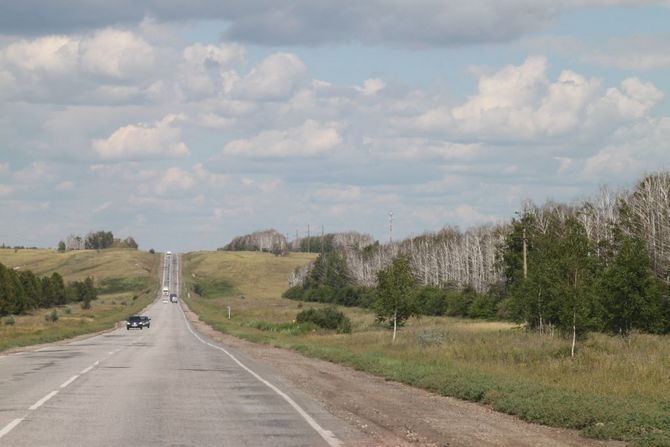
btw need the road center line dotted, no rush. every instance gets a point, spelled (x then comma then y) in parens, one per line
(41, 402)
(9, 427)
(70, 380)
(327, 435)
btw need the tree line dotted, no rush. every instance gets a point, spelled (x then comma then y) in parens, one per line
(273, 241)
(22, 291)
(602, 264)
(98, 240)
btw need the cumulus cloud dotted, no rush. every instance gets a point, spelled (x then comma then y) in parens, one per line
(116, 53)
(372, 87)
(206, 68)
(310, 139)
(632, 150)
(274, 78)
(141, 141)
(520, 102)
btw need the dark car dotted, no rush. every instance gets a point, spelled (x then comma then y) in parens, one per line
(134, 322)
(173, 297)
(146, 321)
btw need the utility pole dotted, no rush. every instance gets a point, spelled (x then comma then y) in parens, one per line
(297, 241)
(321, 238)
(309, 242)
(390, 226)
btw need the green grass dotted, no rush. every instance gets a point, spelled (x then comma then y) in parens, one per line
(615, 388)
(128, 280)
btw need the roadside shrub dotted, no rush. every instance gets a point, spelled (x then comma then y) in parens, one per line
(326, 318)
(67, 310)
(52, 316)
(85, 304)
(10, 321)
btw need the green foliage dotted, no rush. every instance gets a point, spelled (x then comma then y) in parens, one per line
(61, 247)
(10, 321)
(121, 285)
(207, 288)
(99, 240)
(330, 270)
(395, 292)
(630, 292)
(573, 283)
(325, 318)
(52, 316)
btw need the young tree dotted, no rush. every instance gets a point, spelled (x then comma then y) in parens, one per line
(395, 293)
(61, 247)
(629, 292)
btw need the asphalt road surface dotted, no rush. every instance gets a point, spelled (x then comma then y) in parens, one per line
(161, 386)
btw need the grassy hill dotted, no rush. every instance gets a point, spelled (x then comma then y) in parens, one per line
(127, 281)
(614, 388)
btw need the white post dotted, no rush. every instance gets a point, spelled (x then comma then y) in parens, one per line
(229, 312)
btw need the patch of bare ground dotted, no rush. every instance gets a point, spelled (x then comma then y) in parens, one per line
(393, 414)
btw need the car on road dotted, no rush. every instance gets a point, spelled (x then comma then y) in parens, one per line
(146, 321)
(173, 297)
(134, 322)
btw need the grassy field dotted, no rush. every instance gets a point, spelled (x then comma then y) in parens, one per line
(615, 388)
(128, 281)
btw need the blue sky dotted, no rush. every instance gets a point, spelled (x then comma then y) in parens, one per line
(185, 125)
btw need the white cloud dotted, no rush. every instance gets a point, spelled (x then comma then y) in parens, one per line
(206, 67)
(115, 53)
(520, 102)
(633, 150)
(274, 78)
(45, 55)
(372, 87)
(174, 179)
(341, 194)
(310, 139)
(138, 141)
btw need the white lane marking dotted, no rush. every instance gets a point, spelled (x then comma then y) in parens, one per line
(70, 380)
(85, 370)
(327, 435)
(41, 402)
(9, 427)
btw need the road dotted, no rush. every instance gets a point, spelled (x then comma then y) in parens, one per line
(165, 386)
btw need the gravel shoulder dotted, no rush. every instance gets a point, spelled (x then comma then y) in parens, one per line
(394, 414)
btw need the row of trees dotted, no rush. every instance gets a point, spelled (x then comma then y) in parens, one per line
(603, 264)
(274, 242)
(98, 240)
(22, 291)
(270, 241)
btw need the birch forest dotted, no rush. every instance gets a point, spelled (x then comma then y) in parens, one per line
(602, 263)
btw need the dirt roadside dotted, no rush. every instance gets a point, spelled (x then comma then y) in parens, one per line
(393, 414)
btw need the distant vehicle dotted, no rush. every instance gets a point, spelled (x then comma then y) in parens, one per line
(134, 322)
(173, 297)
(168, 253)
(166, 291)
(146, 321)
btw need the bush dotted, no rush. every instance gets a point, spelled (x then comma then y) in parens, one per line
(86, 304)
(10, 321)
(67, 310)
(52, 316)
(326, 318)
